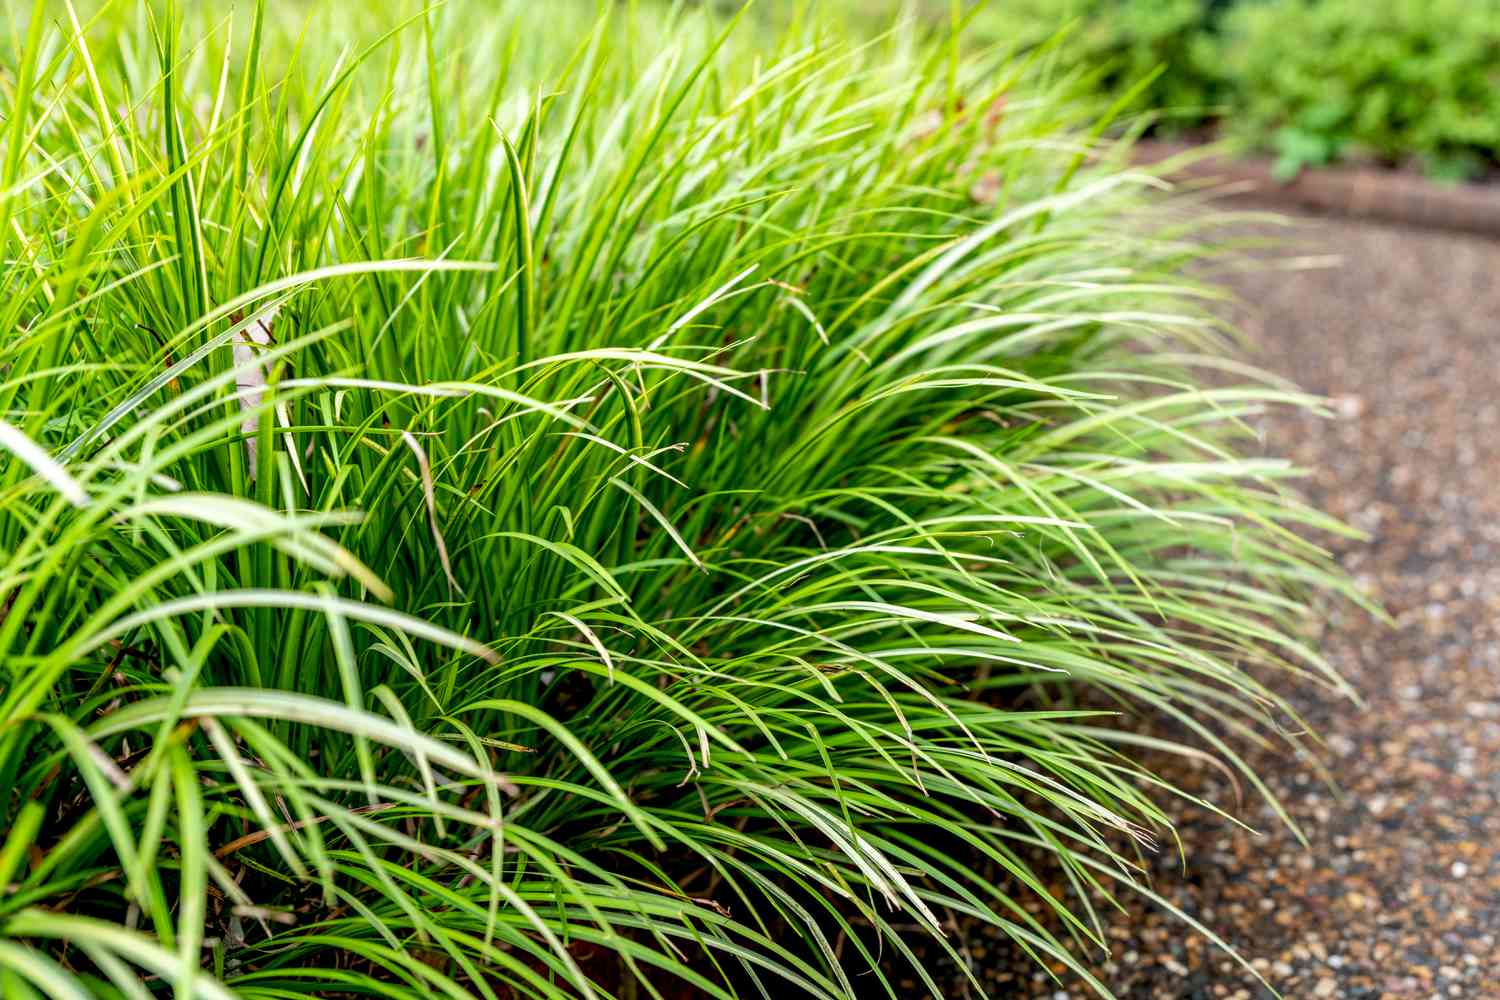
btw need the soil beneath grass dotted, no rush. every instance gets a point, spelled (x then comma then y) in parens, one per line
(1398, 894)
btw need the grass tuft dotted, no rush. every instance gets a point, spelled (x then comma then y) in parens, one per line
(516, 500)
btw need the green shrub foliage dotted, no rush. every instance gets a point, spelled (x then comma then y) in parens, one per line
(1118, 45)
(1402, 82)
(1398, 80)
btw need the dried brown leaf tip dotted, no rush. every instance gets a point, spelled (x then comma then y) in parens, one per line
(930, 122)
(987, 185)
(250, 375)
(986, 190)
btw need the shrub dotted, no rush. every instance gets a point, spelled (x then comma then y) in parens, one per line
(1162, 48)
(1399, 80)
(1315, 81)
(519, 489)
(1120, 44)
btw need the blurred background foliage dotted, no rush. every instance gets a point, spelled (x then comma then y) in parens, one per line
(1412, 84)
(1409, 83)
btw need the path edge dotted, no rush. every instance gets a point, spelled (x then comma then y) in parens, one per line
(1352, 192)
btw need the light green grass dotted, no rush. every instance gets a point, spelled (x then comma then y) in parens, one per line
(700, 496)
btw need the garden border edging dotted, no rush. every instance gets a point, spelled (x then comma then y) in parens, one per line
(1356, 192)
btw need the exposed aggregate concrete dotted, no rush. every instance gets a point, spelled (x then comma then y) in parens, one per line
(1398, 894)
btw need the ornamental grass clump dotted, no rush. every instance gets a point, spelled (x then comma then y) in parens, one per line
(544, 501)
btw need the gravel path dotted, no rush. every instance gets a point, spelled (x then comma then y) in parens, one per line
(1399, 894)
